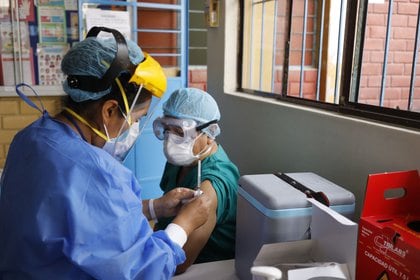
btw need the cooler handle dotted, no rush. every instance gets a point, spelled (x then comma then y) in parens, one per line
(319, 196)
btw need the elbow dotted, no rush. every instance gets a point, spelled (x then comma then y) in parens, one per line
(182, 268)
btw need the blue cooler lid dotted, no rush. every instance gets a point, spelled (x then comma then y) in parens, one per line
(336, 194)
(271, 192)
(276, 198)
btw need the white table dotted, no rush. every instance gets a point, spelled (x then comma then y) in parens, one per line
(220, 270)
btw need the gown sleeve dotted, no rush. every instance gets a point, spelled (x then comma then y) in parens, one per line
(106, 233)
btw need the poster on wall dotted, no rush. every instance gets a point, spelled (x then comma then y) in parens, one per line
(52, 24)
(7, 68)
(7, 39)
(49, 62)
(119, 20)
(8, 59)
(26, 10)
(59, 3)
(71, 5)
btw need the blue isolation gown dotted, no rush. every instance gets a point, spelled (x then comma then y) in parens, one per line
(68, 210)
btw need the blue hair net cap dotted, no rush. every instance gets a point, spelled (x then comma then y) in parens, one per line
(196, 104)
(92, 57)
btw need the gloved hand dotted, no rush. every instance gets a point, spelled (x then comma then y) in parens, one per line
(169, 204)
(193, 214)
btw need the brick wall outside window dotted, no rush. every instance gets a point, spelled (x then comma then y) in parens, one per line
(400, 55)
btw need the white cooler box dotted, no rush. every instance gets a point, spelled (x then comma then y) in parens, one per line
(273, 208)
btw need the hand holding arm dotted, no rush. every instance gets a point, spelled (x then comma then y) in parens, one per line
(193, 214)
(169, 204)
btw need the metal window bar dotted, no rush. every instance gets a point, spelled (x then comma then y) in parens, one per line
(273, 58)
(359, 42)
(302, 59)
(17, 45)
(321, 45)
(288, 27)
(288, 22)
(385, 65)
(148, 30)
(413, 67)
(184, 42)
(339, 55)
(261, 47)
(260, 80)
(303, 50)
(250, 46)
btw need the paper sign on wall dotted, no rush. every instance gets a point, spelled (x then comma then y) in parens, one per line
(119, 20)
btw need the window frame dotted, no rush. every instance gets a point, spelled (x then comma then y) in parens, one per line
(349, 81)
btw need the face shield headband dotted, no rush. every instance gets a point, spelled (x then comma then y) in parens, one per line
(120, 63)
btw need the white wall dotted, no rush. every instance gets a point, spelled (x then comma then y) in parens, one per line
(263, 136)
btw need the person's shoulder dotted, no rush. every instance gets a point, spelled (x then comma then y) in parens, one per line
(220, 155)
(219, 162)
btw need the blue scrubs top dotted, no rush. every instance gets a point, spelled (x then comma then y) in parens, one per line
(68, 210)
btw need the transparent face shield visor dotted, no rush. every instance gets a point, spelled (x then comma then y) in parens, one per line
(135, 122)
(150, 76)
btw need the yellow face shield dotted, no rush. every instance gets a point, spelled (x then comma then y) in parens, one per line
(150, 74)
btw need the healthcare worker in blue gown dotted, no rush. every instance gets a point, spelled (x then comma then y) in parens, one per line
(68, 208)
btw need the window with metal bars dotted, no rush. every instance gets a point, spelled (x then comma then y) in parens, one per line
(355, 57)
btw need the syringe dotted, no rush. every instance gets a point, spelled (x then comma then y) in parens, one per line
(198, 187)
(198, 190)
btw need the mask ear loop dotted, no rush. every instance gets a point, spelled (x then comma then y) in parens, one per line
(135, 98)
(126, 119)
(129, 111)
(124, 97)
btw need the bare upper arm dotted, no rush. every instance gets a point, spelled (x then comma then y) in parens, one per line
(200, 236)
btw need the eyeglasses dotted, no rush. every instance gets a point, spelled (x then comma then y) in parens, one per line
(202, 126)
(186, 128)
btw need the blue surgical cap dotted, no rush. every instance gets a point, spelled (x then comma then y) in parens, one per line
(193, 103)
(92, 57)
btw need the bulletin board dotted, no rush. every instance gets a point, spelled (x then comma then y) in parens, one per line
(45, 30)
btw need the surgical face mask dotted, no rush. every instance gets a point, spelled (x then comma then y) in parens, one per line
(119, 146)
(179, 150)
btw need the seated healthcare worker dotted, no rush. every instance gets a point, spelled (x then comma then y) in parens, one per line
(194, 158)
(69, 209)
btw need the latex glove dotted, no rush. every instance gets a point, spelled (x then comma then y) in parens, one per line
(169, 204)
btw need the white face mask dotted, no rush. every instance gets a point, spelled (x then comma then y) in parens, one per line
(119, 146)
(179, 151)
